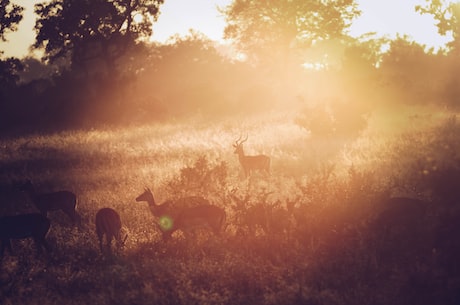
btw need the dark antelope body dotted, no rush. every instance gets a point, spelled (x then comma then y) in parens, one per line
(24, 226)
(108, 223)
(185, 219)
(251, 163)
(65, 201)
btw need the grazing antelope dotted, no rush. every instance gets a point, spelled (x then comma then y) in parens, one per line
(170, 219)
(251, 163)
(108, 223)
(61, 200)
(24, 226)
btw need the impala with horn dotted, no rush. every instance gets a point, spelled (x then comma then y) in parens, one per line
(170, 219)
(251, 163)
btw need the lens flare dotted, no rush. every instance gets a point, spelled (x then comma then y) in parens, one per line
(166, 223)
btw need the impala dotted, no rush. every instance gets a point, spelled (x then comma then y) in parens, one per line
(24, 226)
(61, 200)
(170, 219)
(251, 163)
(108, 223)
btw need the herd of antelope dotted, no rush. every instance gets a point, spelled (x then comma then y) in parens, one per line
(168, 219)
(108, 222)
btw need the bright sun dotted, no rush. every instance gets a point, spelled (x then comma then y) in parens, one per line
(138, 18)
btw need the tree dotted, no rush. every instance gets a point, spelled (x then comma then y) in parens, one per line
(93, 29)
(447, 15)
(264, 29)
(10, 16)
(9, 69)
(186, 75)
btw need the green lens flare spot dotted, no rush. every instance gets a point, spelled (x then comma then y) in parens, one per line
(166, 223)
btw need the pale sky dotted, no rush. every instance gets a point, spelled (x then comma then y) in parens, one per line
(387, 17)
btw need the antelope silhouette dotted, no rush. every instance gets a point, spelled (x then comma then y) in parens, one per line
(251, 163)
(170, 219)
(108, 223)
(24, 226)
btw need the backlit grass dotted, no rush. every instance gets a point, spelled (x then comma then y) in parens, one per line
(322, 253)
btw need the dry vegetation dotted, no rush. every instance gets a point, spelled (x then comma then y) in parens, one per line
(315, 238)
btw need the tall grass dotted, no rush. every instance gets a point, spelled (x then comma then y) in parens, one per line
(324, 254)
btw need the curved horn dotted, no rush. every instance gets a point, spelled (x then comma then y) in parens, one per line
(244, 139)
(239, 141)
(236, 142)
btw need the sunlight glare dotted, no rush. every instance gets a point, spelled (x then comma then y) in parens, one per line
(317, 66)
(138, 18)
(166, 223)
(179, 16)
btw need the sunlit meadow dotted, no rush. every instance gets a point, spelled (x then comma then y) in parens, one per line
(318, 253)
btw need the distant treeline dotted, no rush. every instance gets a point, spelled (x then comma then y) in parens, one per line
(192, 76)
(97, 67)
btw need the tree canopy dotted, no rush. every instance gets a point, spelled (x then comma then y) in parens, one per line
(262, 28)
(447, 15)
(77, 28)
(300, 55)
(10, 16)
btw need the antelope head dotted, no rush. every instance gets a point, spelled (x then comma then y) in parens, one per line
(238, 145)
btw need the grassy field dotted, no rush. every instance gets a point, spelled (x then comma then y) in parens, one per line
(326, 250)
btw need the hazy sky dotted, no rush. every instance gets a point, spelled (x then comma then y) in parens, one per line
(387, 17)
